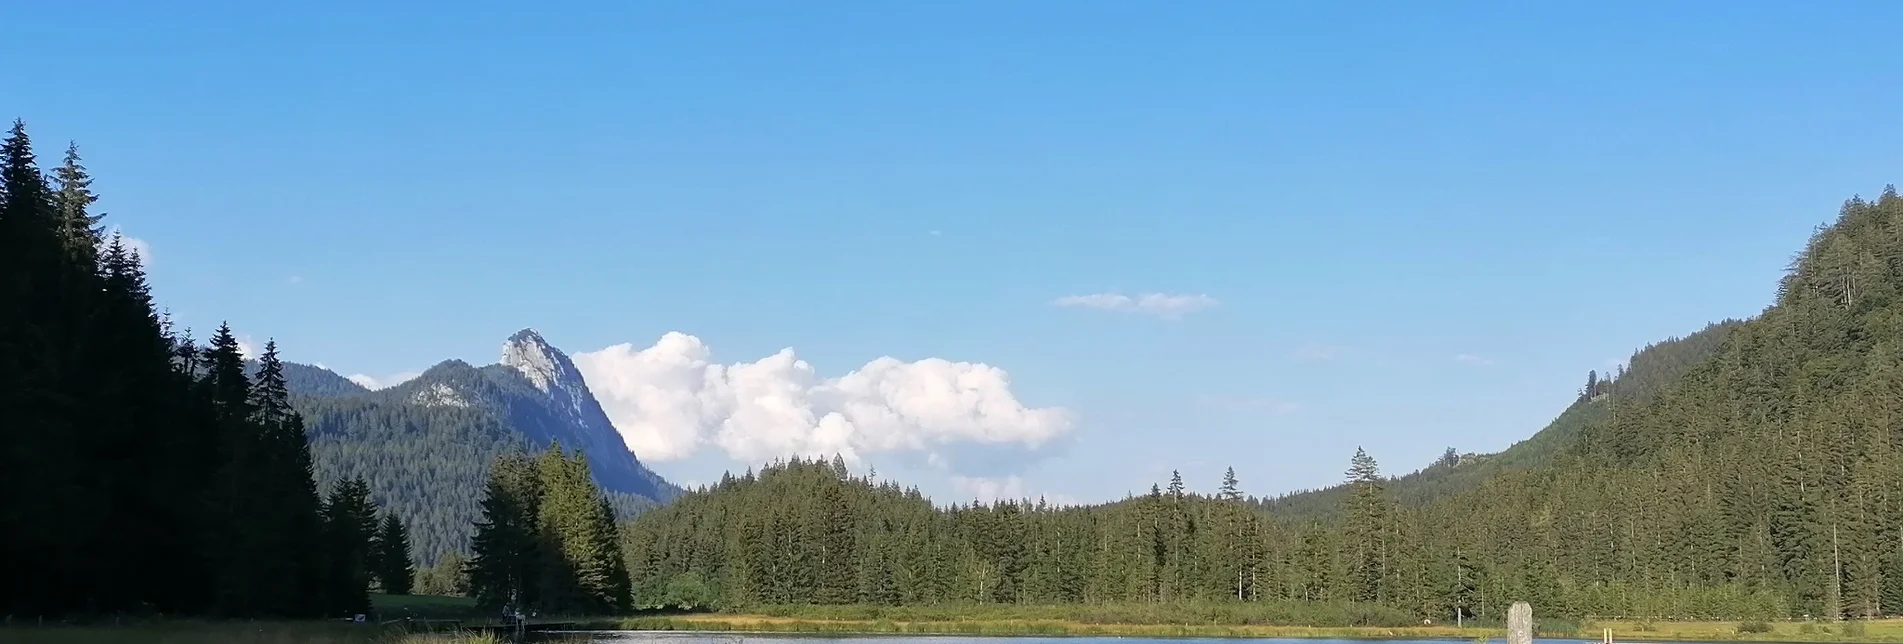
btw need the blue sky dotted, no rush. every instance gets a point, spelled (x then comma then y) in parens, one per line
(1366, 191)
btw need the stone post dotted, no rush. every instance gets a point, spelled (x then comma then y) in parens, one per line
(1520, 624)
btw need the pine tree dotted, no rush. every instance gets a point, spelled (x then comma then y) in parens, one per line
(1366, 526)
(79, 229)
(505, 554)
(394, 570)
(583, 570)
(350, 524)
(37, 378)
(285, 506)
(137, 473)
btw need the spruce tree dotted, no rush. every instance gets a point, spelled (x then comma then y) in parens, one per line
(79, 229)
(37, 379)
(350, 523)
(505, 553)
(1366, 526)
(394, 570)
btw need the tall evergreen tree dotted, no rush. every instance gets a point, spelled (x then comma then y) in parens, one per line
(505, 554)
(1367, 527)
(394, 570)
(79, 228)
(350, 525)
(138, 472)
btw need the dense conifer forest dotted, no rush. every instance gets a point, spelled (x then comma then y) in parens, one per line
(427, 461)
(1753, 469)
(1750, 470)
(1643, 374)
(142, 472)
(547, 539)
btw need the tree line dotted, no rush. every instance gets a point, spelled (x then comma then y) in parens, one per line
(547, 540)
(1754, 472)
(1757, 473)
(142, 472)
(425, 462)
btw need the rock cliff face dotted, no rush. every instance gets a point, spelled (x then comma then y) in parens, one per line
(425, 445)
(567, 411)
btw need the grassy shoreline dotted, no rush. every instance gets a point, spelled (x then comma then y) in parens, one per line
(1883, 631)
(1875, 631)
(723, 623)
(992, 620)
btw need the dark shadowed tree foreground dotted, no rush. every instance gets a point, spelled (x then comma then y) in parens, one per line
(139, 471)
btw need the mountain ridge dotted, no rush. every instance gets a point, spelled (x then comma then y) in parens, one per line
(425, 444)
(1650, 367)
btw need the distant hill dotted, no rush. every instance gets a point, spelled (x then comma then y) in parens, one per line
(1648, 369)
(1750, 471)
(425, 445)
(309, 380)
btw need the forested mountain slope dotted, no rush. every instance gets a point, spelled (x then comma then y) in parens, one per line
(1748, 471)
(425, 446)
(311, 380)
(1649, 369)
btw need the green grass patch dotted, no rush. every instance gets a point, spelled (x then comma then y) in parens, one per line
(1323, 614)
(389, 607)
(1010, 620)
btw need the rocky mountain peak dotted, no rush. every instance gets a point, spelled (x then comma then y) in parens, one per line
(545, 366)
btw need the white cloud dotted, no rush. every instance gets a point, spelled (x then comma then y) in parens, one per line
(987, 489)
(1163, 305)
(1061, 500)
(1001, 488)
(1471, 359)
(372, 382)
(139, 247)
(246, 347)
(672, 400)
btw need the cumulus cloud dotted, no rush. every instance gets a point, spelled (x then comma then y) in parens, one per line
(1163, 305)
(672, 400)
(1001, 488)
(139, 247)
(988, 489)
(1471, 359)
(373, 382)
(246, 347)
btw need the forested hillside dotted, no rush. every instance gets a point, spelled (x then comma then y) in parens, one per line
(1751, 470)
(141, 472)
(1643, 374)
(425, 446)
(306, 380)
